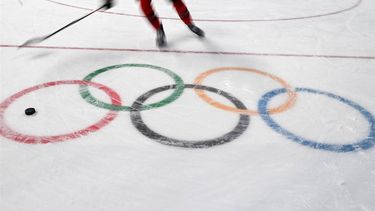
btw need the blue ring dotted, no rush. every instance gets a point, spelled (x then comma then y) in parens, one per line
(363, 144)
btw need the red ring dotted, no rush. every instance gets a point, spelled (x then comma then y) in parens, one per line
(29, 139)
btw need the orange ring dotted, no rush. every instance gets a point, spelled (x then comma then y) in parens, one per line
(289, 103)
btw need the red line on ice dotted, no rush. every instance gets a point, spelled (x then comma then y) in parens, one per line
(193, 52)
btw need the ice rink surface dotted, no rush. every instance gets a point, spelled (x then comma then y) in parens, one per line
(273, 110)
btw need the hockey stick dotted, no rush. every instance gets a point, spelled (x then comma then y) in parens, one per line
(41, 39)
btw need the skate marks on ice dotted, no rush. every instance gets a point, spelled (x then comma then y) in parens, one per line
(264, 111)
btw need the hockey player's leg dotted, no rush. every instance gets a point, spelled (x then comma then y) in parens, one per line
(148, 10)
(185, 16)
(182, 11)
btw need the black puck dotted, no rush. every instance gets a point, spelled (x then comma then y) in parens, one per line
(30, 111)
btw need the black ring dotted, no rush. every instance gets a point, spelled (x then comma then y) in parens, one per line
(138, 123)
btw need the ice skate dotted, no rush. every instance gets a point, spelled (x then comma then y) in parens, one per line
(160, 37)
(196, 30)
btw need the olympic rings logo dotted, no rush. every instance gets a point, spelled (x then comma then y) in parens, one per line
(140, 105)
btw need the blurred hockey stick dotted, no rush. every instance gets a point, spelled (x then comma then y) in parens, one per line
(41, 39)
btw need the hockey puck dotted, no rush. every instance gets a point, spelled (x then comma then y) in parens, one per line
(30, 111)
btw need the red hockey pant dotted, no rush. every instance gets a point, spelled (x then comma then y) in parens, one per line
(151, 16)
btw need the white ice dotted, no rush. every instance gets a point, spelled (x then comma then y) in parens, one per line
(317, 44)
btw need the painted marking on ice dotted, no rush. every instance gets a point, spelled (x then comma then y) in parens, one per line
(363, 144)
(191, 52)
(85, 93)
(289, 103)
(356, 4)
(138, 122)
(30, 139)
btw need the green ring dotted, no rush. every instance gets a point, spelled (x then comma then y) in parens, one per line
(86, 95)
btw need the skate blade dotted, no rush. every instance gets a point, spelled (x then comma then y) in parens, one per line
(32, 41)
